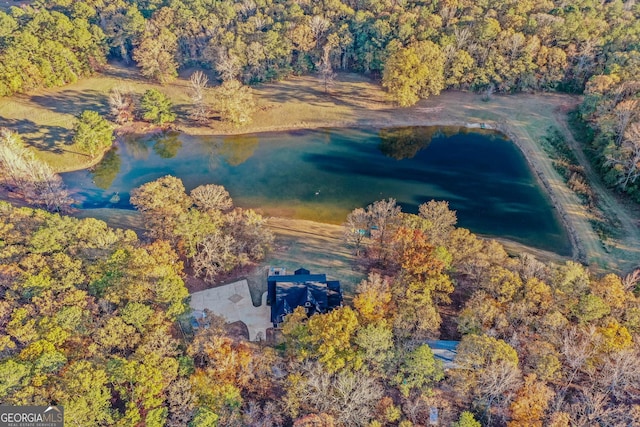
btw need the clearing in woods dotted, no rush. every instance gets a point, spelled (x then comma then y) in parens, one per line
(45, 118)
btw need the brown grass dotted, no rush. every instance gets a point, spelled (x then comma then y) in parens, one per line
(44, 119)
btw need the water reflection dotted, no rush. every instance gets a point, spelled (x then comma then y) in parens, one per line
(106, 171)
(237, 149)
(167, 145)
(137, 146)
(323, 174)
(404, 143)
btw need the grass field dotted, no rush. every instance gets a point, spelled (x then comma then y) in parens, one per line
(45, 119)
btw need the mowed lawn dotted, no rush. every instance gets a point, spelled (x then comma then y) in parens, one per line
(45, 118)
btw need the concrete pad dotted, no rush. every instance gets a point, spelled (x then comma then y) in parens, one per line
(233, 302)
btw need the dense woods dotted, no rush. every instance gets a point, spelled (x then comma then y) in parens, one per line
(90, 316)
(416, 48)
(503, 46)
(209, 233)
(89, 321)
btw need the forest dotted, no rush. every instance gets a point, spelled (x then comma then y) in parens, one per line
(88, 320)
(416, 49)
(91, 317)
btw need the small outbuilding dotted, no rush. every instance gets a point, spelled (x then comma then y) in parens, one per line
(444, 351)
(302, 289)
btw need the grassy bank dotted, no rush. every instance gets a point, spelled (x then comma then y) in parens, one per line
(45, 119)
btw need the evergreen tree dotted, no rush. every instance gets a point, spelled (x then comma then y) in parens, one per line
(156, 107)
(92, 133)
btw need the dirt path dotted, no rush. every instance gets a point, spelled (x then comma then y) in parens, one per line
(623, 249)
(354, 101)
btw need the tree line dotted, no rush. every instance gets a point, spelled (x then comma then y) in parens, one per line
(541, 343)
(505, 45)
(88, 320)
(417, 48)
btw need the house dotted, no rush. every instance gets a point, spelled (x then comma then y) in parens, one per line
(312, 291)
(444, 351)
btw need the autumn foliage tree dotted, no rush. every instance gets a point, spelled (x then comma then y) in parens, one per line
(414, 72)
(214, 238)
(234, 103)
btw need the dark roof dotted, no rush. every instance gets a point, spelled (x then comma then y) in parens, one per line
(298, 278)
(312, 291)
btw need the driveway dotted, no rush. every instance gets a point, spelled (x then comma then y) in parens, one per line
(233, 302)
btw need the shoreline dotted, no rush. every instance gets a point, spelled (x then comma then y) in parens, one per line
(356, 102)
(578, 252)
(131, 219)
(576, 247)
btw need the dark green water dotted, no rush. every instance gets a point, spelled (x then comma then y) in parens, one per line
(322, 175)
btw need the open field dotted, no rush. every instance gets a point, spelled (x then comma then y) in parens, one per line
(45, 119)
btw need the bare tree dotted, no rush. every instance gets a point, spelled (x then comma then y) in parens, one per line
(625, 112)
(325, 71)
(198, 82)
(121, 105)
(631, 280)
(350, 398)
(211, 197)
(326, 74)
(267, 415)
(214, 256)
(30, 177)
(595, 408)
(628, 156)
(227, 65)
(529, 267)
(578, 346)
(12, 158)
(462, 35)
(356, 229)
(319, 25)
(496, 387)
(620, 373)
(48, 190)
(385, 219)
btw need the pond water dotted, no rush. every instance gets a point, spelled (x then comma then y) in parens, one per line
(322, 175)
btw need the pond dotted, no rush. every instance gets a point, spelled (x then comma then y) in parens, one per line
(322, 175)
